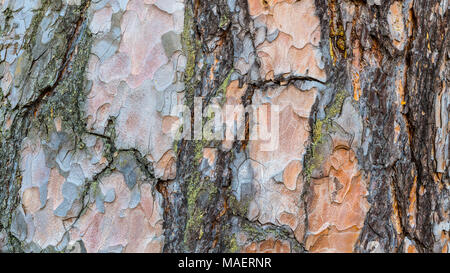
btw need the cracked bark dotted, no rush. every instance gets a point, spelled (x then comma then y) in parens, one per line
(388, 62)
(27, 113)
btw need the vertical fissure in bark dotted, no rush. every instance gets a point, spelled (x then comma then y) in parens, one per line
(26, 115)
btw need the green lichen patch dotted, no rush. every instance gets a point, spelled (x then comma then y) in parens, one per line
(321, 128)
(224, 20)
(191, 47)
(232, 244)
(222, 90)
(197, 189)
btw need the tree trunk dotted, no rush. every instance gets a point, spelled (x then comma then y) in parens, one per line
(336, 136)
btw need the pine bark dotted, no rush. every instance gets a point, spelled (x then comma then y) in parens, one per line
(386, 68)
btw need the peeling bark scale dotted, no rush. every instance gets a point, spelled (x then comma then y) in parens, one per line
(358, 101)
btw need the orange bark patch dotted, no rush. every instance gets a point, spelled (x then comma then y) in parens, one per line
(339, 205)
(270, 245)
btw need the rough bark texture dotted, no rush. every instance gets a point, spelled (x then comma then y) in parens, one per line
(90, 160)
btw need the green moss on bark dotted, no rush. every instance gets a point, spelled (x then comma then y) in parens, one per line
(321, 128)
